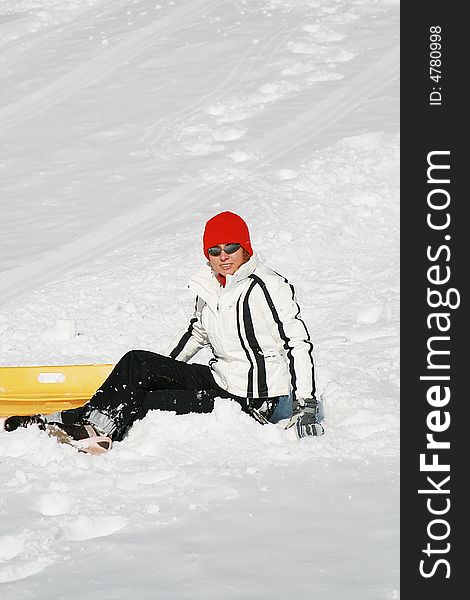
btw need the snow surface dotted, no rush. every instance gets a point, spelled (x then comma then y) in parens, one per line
(125, 126)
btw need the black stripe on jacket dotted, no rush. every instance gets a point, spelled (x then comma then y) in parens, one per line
(283, 335)
(307, 335)
(186, 336)
(254, 345)
(249, 387)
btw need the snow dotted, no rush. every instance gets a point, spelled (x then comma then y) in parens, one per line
(125, 126)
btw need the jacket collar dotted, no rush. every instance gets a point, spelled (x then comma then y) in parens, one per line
(204, 283)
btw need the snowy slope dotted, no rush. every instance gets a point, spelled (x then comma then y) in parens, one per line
(125, 126)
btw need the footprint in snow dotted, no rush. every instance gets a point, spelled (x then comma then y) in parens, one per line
(13, 565)
(324, 53)
(233, 117)
(228, 135)
(10, 546)
(323, 35)
(216, 110)
(204, 149)
(371, 314)
(54, 504)
(323, 76)
(239, 157)
(20, 570)
(87, 528)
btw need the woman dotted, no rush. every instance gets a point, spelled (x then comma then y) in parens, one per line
(262, 354)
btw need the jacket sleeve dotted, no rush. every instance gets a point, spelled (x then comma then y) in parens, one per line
(192, 339)
(287, 324)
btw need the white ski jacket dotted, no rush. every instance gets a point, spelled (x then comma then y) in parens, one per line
(261, 347)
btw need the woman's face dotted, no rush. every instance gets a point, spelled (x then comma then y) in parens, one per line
(228, 264)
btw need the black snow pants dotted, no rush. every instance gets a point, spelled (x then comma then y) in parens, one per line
(144, 380)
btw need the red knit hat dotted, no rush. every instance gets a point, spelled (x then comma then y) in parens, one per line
(226, 228)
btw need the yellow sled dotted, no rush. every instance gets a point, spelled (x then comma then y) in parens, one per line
(32, 390)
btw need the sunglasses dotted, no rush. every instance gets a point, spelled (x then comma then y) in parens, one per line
(229, 249)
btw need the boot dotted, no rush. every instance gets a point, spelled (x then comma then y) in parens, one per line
(12, 423)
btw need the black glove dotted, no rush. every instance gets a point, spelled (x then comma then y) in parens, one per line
(305, 418)
(260, 410)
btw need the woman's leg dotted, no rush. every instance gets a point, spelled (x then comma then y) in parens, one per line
(118, 401)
